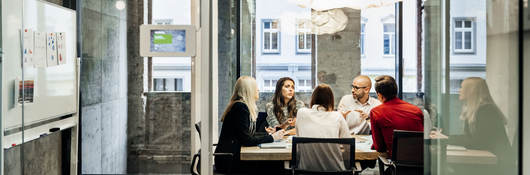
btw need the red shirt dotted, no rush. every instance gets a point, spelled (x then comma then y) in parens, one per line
(393, 114)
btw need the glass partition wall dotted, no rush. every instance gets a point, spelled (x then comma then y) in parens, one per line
(472, 86)
(460, 66)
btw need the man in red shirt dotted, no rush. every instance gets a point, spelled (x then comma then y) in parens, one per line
(393, 114)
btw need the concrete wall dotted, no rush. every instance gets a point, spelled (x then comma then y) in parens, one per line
(103, 87)
(41, 156)
(338, 56)
(227, 53)
(168, 141)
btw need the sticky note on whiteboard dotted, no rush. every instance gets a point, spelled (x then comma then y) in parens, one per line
(28, 47)
(61, 48)
(39, 55)
(51, 49)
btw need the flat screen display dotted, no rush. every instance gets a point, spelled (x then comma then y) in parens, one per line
(168, 41)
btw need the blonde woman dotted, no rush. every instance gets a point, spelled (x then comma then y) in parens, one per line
(239, 126)
(483, 122)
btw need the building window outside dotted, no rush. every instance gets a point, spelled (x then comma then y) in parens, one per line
(361, 42)
(464, 31)
(269, 85)
(389, 38)
(168, 84)
(271, 36)
(304, 85)
(303, 36)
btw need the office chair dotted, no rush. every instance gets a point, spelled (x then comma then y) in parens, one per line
(195, 167)
(406, 155)
(298, 147)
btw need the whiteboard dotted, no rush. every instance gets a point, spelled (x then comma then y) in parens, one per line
(55, 87)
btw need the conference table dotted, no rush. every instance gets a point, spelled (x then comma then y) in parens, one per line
(363, 151)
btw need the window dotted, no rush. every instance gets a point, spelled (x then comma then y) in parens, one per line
(271, 36)
(463, 36)
(389, 38)
(303, 36)
(168, 84)
(304, 85)
(361, 42)
(269, 85)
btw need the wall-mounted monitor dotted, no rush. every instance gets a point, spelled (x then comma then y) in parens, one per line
(167, 40)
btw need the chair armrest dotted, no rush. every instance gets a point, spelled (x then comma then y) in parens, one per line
(385, 161)
(357, 167)
(223, 154)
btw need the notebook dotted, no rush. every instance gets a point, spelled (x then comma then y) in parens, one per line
(273, 145)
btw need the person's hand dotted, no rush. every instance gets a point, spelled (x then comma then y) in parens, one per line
(345, 113)
(363, 115)
(278, 135)
(291, 121)
(270, 130)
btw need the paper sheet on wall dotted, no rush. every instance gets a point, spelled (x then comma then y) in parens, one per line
(61, 48)
(39, 54)
(28, 47)
(51, 49)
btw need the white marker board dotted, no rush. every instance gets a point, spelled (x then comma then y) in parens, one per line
(55, 87)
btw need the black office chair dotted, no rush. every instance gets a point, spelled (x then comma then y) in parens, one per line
(407, 154)
(195, 167)
(299, 145)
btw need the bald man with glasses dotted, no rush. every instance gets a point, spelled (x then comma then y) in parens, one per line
(355, 108)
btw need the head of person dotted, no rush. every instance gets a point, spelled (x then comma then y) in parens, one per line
(474, 92)
(360, 87)
(385, 87)
(284, 97)
(323, 96)
(245, 91)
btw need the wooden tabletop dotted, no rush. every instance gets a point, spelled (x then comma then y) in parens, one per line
(362, 151)
(469, 156)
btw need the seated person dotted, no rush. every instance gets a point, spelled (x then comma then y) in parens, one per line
(322, 122)
(484, 125)
(281, 112)
(393, 114)
(239, 126)
(356, 107)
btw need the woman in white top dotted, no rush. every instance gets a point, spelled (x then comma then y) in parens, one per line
(321, 122)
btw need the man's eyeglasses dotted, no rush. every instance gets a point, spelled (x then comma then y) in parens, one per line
(357, 87)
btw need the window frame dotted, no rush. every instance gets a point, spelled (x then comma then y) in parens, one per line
(362, 39)
(165, 81)
(277, 30)
(306, 30)
(392, 42)
(463, 30)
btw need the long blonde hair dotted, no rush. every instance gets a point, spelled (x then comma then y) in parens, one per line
(244, 91)
(476, 94)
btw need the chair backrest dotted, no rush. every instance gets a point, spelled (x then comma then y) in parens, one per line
(407, 148)
(198, 128)
(261, 122)
(297, 141)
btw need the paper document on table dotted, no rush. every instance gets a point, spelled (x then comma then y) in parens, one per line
(455, 148)
(274, 145)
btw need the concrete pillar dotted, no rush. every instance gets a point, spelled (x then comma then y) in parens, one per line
(338, 57)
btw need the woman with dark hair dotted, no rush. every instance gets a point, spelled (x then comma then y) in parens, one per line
(281, 112)
(322, 122)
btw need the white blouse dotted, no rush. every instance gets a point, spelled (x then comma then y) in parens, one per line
(318, 123)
